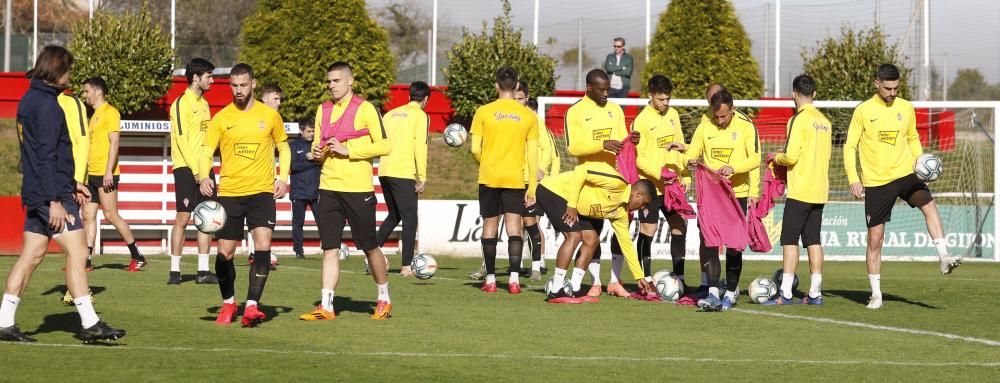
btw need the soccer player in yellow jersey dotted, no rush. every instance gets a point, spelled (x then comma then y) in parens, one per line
(189, 117)
(548, 158)
(102, 168)
(247, 133)
(505, 142)
(594, 132)
(884, 130)
(807, 156)
(345, 187)
(272, 95)
(403, 173)
(577, 203)
(728, 144)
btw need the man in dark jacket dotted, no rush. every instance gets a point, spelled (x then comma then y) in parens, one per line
(305, 182)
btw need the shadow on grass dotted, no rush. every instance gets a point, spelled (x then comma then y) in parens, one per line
(270, 312)
(61, 289)
(861, 297)
(342, 304)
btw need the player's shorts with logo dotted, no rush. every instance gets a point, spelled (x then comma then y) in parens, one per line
(37, 220)
(187, 191)
(357, 208)
(255, 210)
(496, 201)
(554, 207)
(801, 220)
(96, 183)
(880, 199)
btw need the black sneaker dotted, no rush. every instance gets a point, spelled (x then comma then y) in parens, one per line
(175, 278)
(545, 270)
(14, 334)
(300, 256)
(100, 332)
(206, 278)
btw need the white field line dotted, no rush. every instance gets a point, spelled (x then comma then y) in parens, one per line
(532, 357)
(988, 342)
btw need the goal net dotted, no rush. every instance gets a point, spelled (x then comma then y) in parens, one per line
(960, 133)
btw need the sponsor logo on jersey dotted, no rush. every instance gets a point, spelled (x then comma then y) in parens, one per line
(663, 142)
(595, 211)
(888, 136)
(246, 150)
(506, 116)
(722, 154)
(602, 134)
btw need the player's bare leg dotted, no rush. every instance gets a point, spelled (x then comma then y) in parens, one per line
(936, 230)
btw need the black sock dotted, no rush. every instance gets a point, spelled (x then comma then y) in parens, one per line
(677, 250)
(515, 246)
(258, 274)
(710, 260)
(226, 271)
(644, 251)
(535, 236)
(132, 248)
(90, 251)
(490, 254)
(734, 267)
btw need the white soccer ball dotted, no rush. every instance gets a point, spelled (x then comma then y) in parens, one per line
(344, 253)
(670, 288)
(762, 289)
(455, 135)
(552, 289)
(209, 217)
(424, 266)
(661, 274)
(368, 269)
(928, 167)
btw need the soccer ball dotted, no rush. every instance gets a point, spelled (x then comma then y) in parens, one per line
(551, 289)
(67, 299)
(368, 270)
(762, 289)
(670, 288)
(424, 266)
(928, 167)
(455, 135)
(657, 276)
(345, 252)
(209, 217)
(778, 276)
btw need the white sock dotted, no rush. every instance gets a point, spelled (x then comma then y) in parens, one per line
(251, 302)
(815, 282)
(175, 263)
(536, 265)
(383, 292)
(704, 278)
(731, 295)
(595, 271)
(577, 278)
(88, 317)
(714, 291)
(786, 285)
(230, 300)
(942, 247)
(326, 300)
(202, 262)
(559, 277)
(7, 309)
(876, 282)
(616, 267)
(491, 278)
(514, 277)
(274, 257)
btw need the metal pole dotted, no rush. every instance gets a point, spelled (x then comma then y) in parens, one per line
(996, 185)
(34, 28)
(430, 68)
(173, 24)
(434, 44)
(777, 48)
(579, 53)
(944, 79)
(877, 10)
(6, 37)
(90, 8)
(649, 36)
(926, 88)
(767, 45)
(534, 34)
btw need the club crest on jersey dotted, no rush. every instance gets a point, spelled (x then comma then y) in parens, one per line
(734, 136)
(888, 136)
(899, 117)
(595, 210)
(203, 126)
(602, 134)
(246, 150)
(609, 114)
(506, 116)
(722, 154)
(261, 124)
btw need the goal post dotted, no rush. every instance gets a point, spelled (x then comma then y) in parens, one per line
(962, 133)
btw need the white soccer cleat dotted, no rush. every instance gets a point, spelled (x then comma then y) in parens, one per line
(874, 303)
(949, 263)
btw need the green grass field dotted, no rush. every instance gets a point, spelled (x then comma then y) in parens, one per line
(932, 328)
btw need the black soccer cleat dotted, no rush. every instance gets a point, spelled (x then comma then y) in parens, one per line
(14, 334)
(100, 332)
(206, 278)
(175, 278)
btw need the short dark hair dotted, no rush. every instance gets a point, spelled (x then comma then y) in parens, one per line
(720, 99)
(714, 85)
(804, 85)
(646, 187)
(595, 74)
(341, 65)
(197, 67)
(506, 77)
(271, 88)
(52, 63)
(620, 39)
(99, 83)
(241, 69)
(660, 84)
(419, 91)
(532, 104)
(887, 72)
(522, 86)
(307, 122)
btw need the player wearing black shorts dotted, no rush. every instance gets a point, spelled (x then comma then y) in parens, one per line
(883, 136)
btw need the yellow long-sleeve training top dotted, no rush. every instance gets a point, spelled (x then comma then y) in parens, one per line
(587, 126)
(106, 120)
(656, 132)
(737, 146)
(246, 140)
(353, 173)
(505, 142)
(807, 155)
(76, 122)
(600, 195)
(888, 139)
(189, 117)
(548, 155)
(407, 158)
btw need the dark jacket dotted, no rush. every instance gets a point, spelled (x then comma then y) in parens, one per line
(305, 172)
(622, 68)
(46, 151)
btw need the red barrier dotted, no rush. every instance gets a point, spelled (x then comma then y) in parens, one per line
(12, 228)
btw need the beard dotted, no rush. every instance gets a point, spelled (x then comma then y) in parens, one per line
(241, 102)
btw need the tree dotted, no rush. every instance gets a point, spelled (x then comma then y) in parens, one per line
(970, 85)
(700, 42)
(291, 43)
(475, 59)
(844, 69)
(129, 51)
(407, 23)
